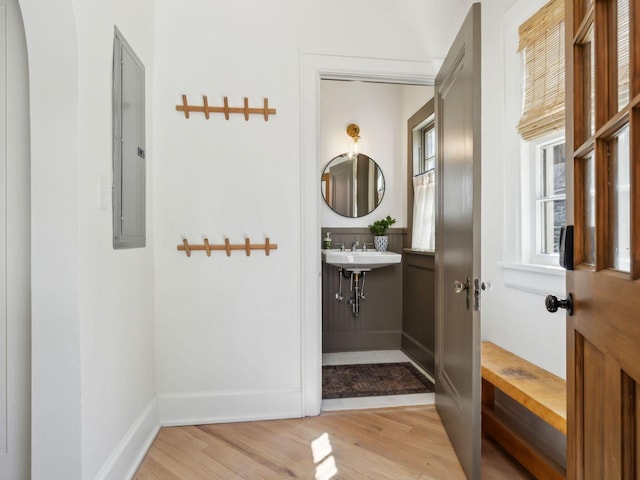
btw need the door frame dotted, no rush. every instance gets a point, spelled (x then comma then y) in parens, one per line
(313, 69)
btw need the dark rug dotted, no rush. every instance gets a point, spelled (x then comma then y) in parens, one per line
(373, 379)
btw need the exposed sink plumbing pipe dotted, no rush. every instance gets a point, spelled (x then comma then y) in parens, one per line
(339, 296)
(357, 291)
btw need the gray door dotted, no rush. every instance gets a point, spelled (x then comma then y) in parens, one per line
(457, 111)
(342, 188)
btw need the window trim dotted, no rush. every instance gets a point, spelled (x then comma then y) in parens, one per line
(538, 198)
(427, 163)
(414, 123)
(530, 181)
(418, 145)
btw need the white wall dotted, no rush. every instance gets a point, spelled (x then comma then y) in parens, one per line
(226, 326)
(50, 27)
(15, 248)
(93, 374)
(513, 314)
(228, 330)
(116, 294)
(413, 30)
(381, 110)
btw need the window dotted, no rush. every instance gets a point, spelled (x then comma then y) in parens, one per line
(423, 137)
(428, 149)
(541, 129)
(129, 216)
(422, 164)
(550, 200)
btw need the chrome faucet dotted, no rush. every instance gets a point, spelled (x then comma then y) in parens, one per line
(354, 245)
(364, 246)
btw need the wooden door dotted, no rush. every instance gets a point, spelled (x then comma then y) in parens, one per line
(15, 300)
(457, 110)
(603, 334)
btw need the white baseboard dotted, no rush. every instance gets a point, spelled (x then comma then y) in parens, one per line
(128, 455)
(199, 408)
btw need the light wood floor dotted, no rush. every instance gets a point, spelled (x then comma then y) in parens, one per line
(379, 444)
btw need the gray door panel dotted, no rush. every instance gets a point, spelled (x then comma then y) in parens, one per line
(458, 243)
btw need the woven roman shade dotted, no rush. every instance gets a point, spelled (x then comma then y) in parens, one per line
(542, 46)
(623, 53)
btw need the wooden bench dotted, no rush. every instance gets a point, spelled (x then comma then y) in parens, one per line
(540, 391)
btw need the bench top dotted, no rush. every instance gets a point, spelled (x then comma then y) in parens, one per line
(542, 392)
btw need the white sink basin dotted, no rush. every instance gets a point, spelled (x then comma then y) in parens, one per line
(360, 261)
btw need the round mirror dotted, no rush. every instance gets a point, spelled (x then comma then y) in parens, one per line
(352, 186)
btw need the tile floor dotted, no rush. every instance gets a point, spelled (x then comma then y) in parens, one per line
(378, 356)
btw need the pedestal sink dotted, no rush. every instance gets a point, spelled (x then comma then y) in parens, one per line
(360, 261)
(357, 263)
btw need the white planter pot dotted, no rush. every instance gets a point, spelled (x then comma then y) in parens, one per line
(381, 243)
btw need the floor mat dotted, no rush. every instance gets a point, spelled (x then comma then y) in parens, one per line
(373, 379)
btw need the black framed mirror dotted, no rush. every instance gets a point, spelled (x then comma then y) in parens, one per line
(352, 185)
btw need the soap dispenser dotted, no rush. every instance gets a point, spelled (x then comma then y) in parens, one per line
(327, 241)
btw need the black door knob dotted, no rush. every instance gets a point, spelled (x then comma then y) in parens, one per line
(553, 303)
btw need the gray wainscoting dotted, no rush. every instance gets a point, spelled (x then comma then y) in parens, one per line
(418, 307)
(379, 325)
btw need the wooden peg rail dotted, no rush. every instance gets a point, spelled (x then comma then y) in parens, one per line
(265, 111)
(267, 246)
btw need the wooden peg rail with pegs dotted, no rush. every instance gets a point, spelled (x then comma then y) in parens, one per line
(265, 111)
(267, 246)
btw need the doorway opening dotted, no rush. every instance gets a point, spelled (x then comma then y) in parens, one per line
(315, 69)
(375, 182)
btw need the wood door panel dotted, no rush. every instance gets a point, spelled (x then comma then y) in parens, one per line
(629, 431)
(593, 420)
(602, 417)
(606, 392)
(632, 450)
(608, 296)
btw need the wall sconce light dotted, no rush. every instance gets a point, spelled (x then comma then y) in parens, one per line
(353, 131)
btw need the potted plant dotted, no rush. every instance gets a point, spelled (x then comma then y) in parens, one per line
(378, 228)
